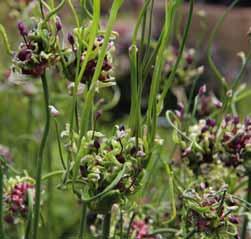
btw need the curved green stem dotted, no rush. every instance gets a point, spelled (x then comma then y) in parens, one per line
(245, 223)
(74, 13)
(40, 158)
(54, 11)
(53, 174)
(4, 36)
(106, 226)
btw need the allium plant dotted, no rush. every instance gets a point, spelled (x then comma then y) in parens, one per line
(210, 214)
(107, 171)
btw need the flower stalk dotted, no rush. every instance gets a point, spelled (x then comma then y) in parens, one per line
(246, 221)
(40, 158)
(106, 225)
(83, 221)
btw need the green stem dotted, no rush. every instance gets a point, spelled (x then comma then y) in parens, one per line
(50, 215)
(40, 158)
(30, 212)
(53, 174)
(41, 8)
(106, 226)
(83, 221)
(151, 117)
(1, 203)
(171, 78)
(212, 65)
(59, 145)
(6, 42)
(245, 223)
(86, 115)
(130, 225)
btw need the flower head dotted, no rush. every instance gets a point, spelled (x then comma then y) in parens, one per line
(16, 199)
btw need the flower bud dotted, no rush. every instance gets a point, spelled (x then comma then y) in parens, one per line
(59, 25)
(180, 112)
(122, 127)
(234, 220)
(98, 114)
(96, 144)
(202, 90)
(71, 39)
(189, 59)
(54, 112)
(210, 122)
(218, 104)
(23, 30)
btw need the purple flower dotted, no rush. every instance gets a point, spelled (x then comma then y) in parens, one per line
(210, 122)
(189, 59)
(180, 112)
(17, 202)
(96, 144)
(202, 90)
(218, 104)
(24, 55)
(234, 220)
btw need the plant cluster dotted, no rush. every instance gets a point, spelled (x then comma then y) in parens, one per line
(130, 178)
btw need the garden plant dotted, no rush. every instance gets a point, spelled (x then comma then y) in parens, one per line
(69, 168)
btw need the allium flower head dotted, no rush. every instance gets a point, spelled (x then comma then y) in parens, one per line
(235, 141)
(16, 199)
(37, 52)
(187, 69)
(104, 158)
(105, 78)
(201, 151)
(209, 212)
